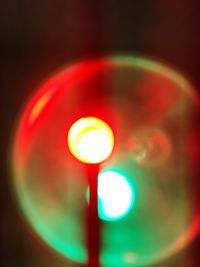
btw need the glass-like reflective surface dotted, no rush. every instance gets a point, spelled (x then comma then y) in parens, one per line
(154, 114)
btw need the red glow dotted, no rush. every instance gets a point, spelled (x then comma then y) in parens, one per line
(80, 103)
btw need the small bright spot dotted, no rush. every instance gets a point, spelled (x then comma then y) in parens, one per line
(39, 105)
(130, 257)
(90, 140)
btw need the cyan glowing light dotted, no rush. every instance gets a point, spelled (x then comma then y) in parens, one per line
(116, 195)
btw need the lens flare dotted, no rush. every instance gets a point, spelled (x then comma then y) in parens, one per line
(90, 140)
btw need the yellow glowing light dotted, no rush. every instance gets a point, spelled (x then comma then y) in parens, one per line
(90, 140)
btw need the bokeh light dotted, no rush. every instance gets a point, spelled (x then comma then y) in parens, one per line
(154, 114)
(90, 140)
(116, 195)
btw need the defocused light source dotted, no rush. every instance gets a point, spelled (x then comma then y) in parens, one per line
(157, 145)
(90, 140)
(116, 195)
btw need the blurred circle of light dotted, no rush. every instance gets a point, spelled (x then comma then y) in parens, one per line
(116, 195)
(90, 140)
(154, 113)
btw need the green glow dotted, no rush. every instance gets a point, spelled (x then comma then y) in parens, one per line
(53, 229)
(116, 195)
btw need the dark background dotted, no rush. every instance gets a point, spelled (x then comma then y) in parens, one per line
(39, 36)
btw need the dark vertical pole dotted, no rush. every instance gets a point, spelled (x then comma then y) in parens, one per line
(93, 222)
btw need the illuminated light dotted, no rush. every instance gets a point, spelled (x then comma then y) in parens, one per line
(90, 140)
(116, 195)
